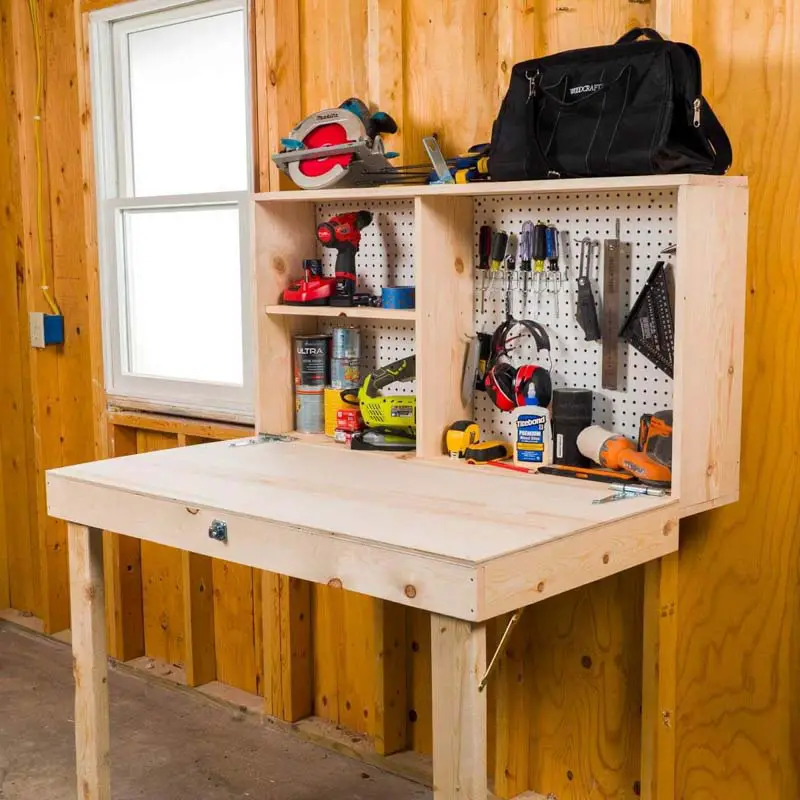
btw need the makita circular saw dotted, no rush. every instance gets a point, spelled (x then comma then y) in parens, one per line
(338, 147)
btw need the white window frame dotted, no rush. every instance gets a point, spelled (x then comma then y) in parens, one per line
(114, 179)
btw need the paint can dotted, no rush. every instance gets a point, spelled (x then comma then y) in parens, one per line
(312, 360)
(346, 343)
(310, 409)
(346, 358)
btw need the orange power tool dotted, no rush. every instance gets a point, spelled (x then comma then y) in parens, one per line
(650, 461)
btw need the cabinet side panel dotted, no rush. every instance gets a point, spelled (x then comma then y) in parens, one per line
(283, 235)
(709, 344)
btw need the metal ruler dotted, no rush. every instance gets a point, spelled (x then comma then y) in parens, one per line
(610, 325)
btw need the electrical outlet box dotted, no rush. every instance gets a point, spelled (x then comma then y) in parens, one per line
(45, 329)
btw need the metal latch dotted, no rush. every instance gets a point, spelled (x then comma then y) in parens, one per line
(218, 531)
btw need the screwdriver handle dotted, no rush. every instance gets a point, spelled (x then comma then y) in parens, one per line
(499, 243)
(539, 242)
(484, 246)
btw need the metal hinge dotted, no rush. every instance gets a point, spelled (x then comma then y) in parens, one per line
(263, 438)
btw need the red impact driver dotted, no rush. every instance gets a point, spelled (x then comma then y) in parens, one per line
(343, 234)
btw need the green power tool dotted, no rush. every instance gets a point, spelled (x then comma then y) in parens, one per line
(391, 419)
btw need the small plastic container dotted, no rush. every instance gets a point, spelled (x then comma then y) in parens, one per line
(533, 435)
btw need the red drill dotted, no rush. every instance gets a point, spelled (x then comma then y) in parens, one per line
(343, 234)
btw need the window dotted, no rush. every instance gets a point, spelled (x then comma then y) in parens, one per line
(172, 154)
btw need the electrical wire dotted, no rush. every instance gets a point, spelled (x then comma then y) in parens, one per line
(37, 142)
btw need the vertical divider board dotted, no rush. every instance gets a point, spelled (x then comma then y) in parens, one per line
(444, 314)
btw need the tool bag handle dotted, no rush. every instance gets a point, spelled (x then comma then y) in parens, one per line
(634, 33)
(716, 137)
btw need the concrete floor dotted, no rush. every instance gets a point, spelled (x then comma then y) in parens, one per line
(166, 744)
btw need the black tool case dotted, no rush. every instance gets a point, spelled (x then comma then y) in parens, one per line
(635, 107)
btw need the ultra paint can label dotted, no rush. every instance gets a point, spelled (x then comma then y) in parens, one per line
(311, 360)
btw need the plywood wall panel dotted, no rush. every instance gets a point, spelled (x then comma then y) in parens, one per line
(18, 545)
(450, 74)
(569, 695)
(567, 24)
(738, 726)
(333, 53)
(235, 625)
(162, 581)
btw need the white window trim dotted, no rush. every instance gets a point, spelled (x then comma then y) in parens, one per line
(110, 103)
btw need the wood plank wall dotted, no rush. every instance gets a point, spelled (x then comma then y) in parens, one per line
(565, 701)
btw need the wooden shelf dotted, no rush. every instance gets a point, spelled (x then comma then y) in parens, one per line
(348, 312)
(629, 183)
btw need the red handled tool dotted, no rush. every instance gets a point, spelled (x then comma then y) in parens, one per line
(343, 234)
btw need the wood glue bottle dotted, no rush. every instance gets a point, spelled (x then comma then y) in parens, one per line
(533, 435)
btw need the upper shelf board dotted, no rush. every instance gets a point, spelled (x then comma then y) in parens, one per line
(345, 312)
(485, 188)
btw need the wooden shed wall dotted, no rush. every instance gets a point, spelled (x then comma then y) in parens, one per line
(566, 700)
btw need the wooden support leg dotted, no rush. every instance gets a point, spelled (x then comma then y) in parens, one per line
(659, 678)
(458, 654)
(89, 662)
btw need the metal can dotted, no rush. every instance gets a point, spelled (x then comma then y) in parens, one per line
(312, 360)
(345, 358)
(310, 409)
(346, 343)
(345, 373)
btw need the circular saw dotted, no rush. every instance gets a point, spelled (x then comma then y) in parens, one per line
(338, 147)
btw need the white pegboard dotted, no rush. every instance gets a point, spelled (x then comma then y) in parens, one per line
(647, 226)
(386, 253)
(385, 258)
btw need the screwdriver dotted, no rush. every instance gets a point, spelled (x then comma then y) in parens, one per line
(511, 263)
(485, 253)
(553, 278)
(539, 256)
(564, 260)
(499, 243)
(525, 256)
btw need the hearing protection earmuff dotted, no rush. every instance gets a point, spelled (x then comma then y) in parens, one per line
(509, 386)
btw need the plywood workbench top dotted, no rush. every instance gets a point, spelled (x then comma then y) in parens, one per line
(325, 507)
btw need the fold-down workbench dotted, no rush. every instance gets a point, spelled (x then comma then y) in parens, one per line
(466, 543)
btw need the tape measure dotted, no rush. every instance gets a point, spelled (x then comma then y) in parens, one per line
(460, 436)
(486, 452)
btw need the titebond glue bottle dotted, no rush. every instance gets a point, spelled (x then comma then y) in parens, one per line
(533, 435)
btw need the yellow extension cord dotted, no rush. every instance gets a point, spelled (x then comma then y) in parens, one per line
(37, 140)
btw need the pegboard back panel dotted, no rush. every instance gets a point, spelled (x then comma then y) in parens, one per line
(385, 258)
(386, 252)
(647, 225)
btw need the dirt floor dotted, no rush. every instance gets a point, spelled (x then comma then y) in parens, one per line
(166, 743)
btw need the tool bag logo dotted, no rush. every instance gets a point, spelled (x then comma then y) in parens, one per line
(631, 108)
(587, 87)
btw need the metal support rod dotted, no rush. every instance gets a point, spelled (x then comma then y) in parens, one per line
(512, 623)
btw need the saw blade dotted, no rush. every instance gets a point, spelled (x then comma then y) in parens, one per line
(325, 136)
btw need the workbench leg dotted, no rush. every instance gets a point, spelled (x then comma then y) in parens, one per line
(458, 653)
(659, 678)
(89, 662)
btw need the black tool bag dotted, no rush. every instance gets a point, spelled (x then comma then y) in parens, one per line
(632, 108)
